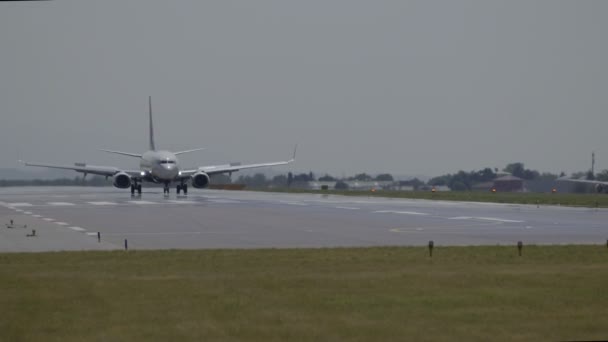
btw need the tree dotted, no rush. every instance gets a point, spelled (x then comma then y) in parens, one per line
(220, 179)
(384, 177)
(302, 177)
(279, 180)
(460, 181)
(341, 185)
(257, 180)
(327, 178)
(440, 180)
(458, 186)
(311, 176)
(602, 176)
(516, 169)
(363, 177)
(415, 183)
(548, 176)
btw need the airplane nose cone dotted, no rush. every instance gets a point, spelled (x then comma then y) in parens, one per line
(168, 171)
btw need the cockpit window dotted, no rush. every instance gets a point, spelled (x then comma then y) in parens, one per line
(167, 161)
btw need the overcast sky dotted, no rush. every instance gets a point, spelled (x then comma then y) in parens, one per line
(407, 87)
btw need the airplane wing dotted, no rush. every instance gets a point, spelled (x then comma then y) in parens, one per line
(86, 169)
(227, 168)
(582, 181)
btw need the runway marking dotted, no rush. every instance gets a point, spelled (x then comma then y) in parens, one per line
(348, 208)
(78, 229)
(61, 223)
(142, 202)
(223, 201)
(103, 203)
(406, 230)
(484, 219)
(92, 234)
(48, 219)
(60, 203)
(20, 204)
(156, 233)
(293, 203)
(400, 212)
(36, 216)
(497, 219)
(182, 202)
(27, 212)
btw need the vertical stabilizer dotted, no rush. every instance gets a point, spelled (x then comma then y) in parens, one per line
(152, 146)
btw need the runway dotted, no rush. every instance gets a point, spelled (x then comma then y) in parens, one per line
(69, 218)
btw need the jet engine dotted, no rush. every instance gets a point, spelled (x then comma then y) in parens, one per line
(599, 188)
(200, 180)
(122, 180)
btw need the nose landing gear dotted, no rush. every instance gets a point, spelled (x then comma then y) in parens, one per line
(166, 189)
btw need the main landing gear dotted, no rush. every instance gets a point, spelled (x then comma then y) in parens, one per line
(166, 189)
(135, 187)
(181, 187)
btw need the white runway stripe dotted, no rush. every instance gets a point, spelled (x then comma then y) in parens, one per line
(92, 234)
(400, 212)
(494, 219)
(142, 202)
(223, 201)
(78, 229)
(61, 223)
(20, 204)
(347, 208)
(36, 216)
(48, 219)
(498, 219)
(27, 212)
(181, 202)
(103, 203)
(294, 203)
(60, 203)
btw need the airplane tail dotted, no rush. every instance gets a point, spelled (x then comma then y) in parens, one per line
(152, 146)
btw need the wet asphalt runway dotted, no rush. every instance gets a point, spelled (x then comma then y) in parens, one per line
(70, 218)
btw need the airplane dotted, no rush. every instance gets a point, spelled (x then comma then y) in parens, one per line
(159, 166)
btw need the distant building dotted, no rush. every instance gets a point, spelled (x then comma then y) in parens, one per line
(508, 184)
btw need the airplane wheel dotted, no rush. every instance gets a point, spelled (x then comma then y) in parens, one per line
(139, 189)
(179, 188)
(132, 189)
(185, 187)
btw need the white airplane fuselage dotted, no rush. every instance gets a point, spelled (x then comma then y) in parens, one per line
(159, 166)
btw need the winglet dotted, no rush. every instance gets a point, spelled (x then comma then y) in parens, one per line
(295, 149)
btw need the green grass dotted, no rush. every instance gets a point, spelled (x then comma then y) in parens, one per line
(476, 293)
(566, 199)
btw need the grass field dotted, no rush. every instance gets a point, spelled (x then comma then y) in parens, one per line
(476, 293)
(567, 199)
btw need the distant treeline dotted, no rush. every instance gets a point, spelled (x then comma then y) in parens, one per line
(78, 181)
